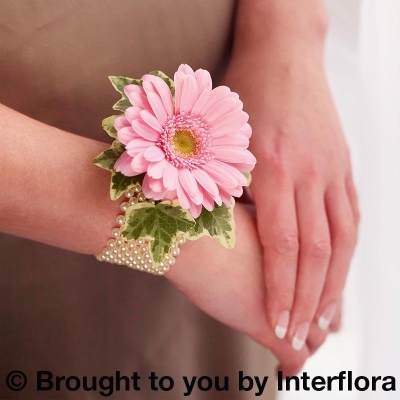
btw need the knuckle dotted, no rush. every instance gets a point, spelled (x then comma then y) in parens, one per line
(319, 248)
(287, 244)
(347, 234)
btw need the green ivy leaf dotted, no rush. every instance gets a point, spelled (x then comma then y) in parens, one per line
(248, 177)
(108, 125)
(166, 79)
(161, 224)
(108, 158)
(120, 183)
(122, 104)
(218, 223)
(119, 82)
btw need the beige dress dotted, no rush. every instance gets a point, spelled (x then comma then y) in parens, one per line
(66, 312)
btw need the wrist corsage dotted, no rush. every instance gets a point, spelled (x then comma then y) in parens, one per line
(179, 156)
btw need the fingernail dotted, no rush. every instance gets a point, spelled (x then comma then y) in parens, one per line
(300, 336)
(282, 324)
(326, 317)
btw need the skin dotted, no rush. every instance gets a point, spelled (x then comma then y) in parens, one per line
(302, 186)
(54, 218)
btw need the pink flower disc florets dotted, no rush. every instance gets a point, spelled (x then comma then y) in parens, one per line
(186, 141)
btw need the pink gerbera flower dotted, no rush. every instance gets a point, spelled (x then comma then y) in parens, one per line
(193, 149)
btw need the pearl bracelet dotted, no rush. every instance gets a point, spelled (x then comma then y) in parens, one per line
(135, 254)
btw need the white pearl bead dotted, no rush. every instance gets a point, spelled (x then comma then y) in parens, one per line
(115, 232)
(133, 200)
(129, 193)
(120, 220)
(124, 206)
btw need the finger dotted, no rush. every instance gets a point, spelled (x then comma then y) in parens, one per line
(353, 198)
(316, 337)
(337, 319)
(313, 260)
(343, 237)
(277, 226)
(291, 361)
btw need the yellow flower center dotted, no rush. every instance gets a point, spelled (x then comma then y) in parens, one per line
(184, 142)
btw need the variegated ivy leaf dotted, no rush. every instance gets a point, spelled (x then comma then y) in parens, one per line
(161, 224)
(218, 223)
(108, 125)
(107, 158)
(120, 183)
(119, 82)
(166, 79)
(248, 177)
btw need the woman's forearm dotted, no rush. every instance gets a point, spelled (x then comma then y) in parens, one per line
(263, 26)
(51, 191)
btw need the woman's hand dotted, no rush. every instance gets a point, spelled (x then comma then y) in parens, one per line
(306, 203)
(228, 285)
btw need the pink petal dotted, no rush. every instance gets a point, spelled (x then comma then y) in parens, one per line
(229, 123)
(243, 167)
(156, 185)
(190, 93)
(186, 69)
(132, 113)
(239, 105)
(157, 107)
(237, 191)
(148, 192)
(219, 109)
(236, 140)
(179, 79)
(144, 130)
(128, 89)
(123, 165)
(233, 155)
(126, 135)
(156, 170)
(189, 184)
(208, 202)
(155, 84)
(139, 164)
(182, 196)
(137, 146)
(151, 120)
(226, 198)
(170, 177)
(234, 171)
(195, 210)
(138, 100)
(201, 102)
(220, 174)
(203, 79)
(153, 154)
(121, 122)
(216, 95)
(205, 181)
(170, 195)
(245, 130)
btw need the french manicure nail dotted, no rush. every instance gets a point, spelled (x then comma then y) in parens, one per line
(282, 324)
(326, 317)
(300, 336)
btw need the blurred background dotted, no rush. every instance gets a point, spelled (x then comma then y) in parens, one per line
(363, 66)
